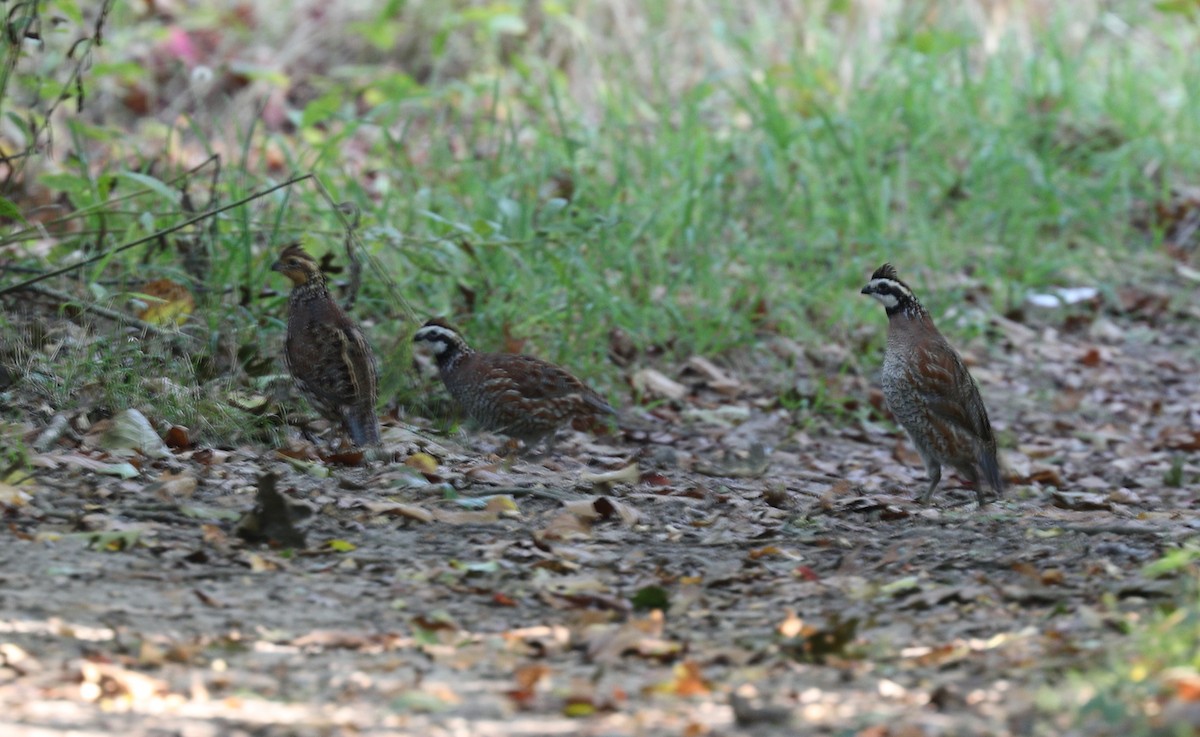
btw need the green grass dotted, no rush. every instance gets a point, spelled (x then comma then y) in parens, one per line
(100, 377)
(733, 174)
(1137, 691)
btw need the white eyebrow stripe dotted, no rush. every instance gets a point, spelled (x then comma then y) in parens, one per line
(893, 284)
(429, 331)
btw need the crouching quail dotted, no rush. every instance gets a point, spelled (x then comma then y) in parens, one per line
(523, 397)
(326, 353)
(930, 392)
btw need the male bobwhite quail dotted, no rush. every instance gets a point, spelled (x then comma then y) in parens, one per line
(520, 396)
(325, 351)
(930, 392)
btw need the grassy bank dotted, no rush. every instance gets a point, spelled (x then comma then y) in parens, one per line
(698, 175)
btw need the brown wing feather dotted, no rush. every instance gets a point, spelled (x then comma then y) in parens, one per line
(534, 378)
(948, 390)
(328, 354)
(953, 400)
(344, 374)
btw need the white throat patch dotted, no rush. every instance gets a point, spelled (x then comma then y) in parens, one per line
(887, 298)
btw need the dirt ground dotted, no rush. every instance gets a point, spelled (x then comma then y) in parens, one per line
(763, 570)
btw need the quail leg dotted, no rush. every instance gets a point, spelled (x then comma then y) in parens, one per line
(527, 445)
(547, 459)
(307, 433)
(548, 448)
(973, 476)
(935, 475)
(510, 452)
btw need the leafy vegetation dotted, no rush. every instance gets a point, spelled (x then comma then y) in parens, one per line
(1145, 688)
(611, 185)
(546, 175)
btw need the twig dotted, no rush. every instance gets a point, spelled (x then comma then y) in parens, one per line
(351, 210)
(157, 515)
(393, 290)
(114, 315)
(40, 230)
(58, 425)
(1115, 529)
(156, 235)
(541, 492)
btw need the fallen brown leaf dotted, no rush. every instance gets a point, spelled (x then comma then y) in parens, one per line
(654, 383)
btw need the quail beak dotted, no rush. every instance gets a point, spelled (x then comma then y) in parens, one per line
(865, 290)
(282, 269)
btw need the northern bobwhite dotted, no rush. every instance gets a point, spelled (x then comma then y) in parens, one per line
(520, 396)
(930, 392)
(326, 353)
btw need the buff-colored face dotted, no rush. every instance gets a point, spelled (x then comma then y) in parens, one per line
(296, 265)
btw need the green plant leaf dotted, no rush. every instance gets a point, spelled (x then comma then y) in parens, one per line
(123, 70)
(1177, 7)
(1173, 561)
(70, 9)
(936, 42)
(381, 35)
(74, 185)
(9, 210)
(650, 597)
(152, 184)
(321, 109)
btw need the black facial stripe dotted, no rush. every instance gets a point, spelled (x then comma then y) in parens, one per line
(890, 286)
(432, 336)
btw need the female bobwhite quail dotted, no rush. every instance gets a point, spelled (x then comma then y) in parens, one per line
(520, 396)
(325, 351)
(930, 392)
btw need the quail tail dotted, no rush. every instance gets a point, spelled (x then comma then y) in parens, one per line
(363, 426)
(990, 465)
(599, 405)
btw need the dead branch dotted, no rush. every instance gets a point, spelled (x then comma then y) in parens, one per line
(114, 315)
(153, 236)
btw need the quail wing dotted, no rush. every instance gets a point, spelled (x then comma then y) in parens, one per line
(949, 392)
(539, 381)
(334, 363)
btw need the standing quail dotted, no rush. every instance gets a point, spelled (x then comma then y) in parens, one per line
(930, 392)
(325, 351)
(520, 396)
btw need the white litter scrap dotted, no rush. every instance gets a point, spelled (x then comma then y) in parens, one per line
(1062, 297)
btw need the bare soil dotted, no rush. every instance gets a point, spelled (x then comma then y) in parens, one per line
(764, 570)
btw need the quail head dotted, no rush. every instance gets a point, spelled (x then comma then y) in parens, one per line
(930, 392)
(520, 396)
(326, 353)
